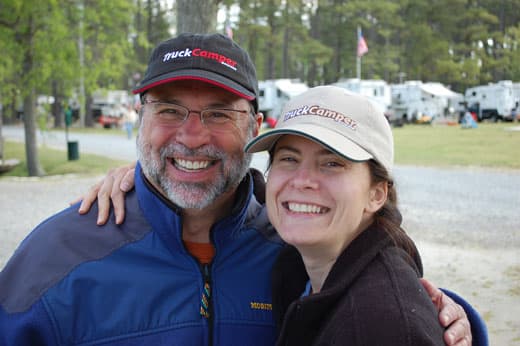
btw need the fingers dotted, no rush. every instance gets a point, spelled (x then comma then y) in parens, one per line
(103, 196)
(123, 182)
(434, 293)
(89, 198)
(114, 190)
(110, 191)
(451, 316)
(127, 182)
(458, 334)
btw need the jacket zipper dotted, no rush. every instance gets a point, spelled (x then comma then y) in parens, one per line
(206, 310)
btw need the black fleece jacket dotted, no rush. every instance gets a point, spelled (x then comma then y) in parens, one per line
(372, 296)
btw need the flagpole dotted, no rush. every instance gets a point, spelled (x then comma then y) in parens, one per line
(358, 58)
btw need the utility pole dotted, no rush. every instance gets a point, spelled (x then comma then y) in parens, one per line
(81, 52)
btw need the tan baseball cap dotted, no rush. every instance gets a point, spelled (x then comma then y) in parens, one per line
(344, 122)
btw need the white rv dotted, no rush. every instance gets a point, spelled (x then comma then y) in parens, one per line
(275, 93)
(415, 101)
(378, 91)
(516, 95)
(495, 101)
(107, 106)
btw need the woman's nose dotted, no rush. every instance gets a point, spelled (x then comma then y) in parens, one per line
(304, 178)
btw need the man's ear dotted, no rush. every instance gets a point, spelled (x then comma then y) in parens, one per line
(259, 118)
(378, 195)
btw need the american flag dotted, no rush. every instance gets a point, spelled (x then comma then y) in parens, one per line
(362, 47)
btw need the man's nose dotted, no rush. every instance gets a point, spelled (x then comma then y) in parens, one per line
(193, 133)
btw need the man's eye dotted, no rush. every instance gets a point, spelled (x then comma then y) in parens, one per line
(214, 114)
(218, 116)
(169, 110)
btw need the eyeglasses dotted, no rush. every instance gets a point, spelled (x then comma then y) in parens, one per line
(175, 115)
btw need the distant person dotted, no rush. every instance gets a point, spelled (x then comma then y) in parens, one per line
(129, 119)
(191, 264)
(468, 121)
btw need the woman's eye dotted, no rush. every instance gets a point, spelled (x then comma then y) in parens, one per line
(334, 164)
(287, 159)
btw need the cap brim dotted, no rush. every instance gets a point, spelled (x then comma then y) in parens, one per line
(202, 75)
(330, 139)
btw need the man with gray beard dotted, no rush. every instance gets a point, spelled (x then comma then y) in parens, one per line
(191, 263)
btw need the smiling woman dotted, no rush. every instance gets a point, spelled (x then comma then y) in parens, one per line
(330, 196)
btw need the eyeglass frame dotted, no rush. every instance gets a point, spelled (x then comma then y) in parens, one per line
(145, 101)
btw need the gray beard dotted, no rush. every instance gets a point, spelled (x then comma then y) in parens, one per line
(193, 195)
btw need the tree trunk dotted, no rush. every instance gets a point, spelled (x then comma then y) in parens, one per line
(31, 146)
(197, 16)
(270, 44)
(57, 106)
(286, 73)
(89, 117)
(1, 137)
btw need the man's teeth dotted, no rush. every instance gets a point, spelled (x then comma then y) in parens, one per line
(192, 165)
(305, 208)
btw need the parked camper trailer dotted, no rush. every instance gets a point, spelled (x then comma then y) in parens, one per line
(515, 116)
(377, 91)
(275, 93)
(415, 101)
(495, 101)
(107, 106)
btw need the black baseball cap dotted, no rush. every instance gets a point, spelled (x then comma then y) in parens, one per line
(211, 58)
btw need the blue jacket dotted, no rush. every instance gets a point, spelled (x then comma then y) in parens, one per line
(73, 283)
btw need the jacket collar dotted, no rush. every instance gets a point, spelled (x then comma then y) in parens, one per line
(165, 217)
(347, 267)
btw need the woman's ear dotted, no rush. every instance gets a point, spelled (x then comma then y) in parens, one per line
(378, 196)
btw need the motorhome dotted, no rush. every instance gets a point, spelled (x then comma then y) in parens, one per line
(495, 101)
(273, 94)
(107, 106)
(515, 116)
(415, 101)
(378, 91)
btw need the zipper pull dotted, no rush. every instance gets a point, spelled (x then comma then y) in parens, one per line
(206, 292)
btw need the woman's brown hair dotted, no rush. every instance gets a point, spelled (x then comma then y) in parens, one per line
(389, 217)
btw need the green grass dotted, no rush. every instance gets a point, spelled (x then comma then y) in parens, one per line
(55, 162)
(489, 145)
